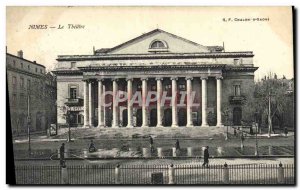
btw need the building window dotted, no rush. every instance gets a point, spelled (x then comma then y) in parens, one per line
(36, 70)
(73, 91)
(237, 90)
(14, 81)
(153, 87)
(73, 64)
(236, 61)
(139, 87)
(22, 65)
(41, 70)
(28, 67)
(28, 84)
(22, 82)
(14, 63)
(182, 87)
(157, 45)
(14, 98)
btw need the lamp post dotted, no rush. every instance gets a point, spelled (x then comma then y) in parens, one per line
(28, 123)
(256, 131)
(226, 116)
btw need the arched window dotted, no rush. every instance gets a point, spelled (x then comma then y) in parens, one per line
(157, 44)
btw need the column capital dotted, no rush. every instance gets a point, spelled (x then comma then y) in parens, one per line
(189, 78)
(144, 78)
(115, 79)
(159, 78)
(174, 78)
(129, 79)
(219, 77)
(204, 77)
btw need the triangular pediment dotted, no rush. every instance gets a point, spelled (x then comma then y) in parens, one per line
(157, 41)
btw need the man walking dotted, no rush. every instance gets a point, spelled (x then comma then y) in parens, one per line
(151, 143)
(206, 156)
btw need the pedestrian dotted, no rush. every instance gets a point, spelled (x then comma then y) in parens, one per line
(151, 143)
(206, 156)
(62, 154)
(285, 131)
(92, 147)
(251, 130)
(177, 146)
(234, 132)
(242, 140)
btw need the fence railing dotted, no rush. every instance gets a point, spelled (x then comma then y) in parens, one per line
(157, 174)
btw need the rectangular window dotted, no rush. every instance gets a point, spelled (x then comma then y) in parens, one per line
(28, 67)
(235, 61)
(182, 87)
(36, 70)
(237, 90)
(22, 83)
(22, 65)
(14, 63)
(14, 98)
(73, 92)
(14, 81)
(73, 64)
(28, 84)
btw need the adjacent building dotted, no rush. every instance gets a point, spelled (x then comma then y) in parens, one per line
(165, 65)
(32, 92)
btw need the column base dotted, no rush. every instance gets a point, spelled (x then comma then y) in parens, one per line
(189, 125)
(144, 126)
(86, 126)
(174, 125)
(100, 126)
(115, 126)
(204, 125)
(220, 125)
(160, 126)
(129, 126)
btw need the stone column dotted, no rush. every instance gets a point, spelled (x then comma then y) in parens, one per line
(144, 98)
(174, 102)
(115, 122)
(204, 101)
(219, 101)
(103, 101)
(100, 103)
(91, 107)
(159, 96)
(86, 103)
(129, 102)
(189, 121)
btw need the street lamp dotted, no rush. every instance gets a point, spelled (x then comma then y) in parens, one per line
(256, 131)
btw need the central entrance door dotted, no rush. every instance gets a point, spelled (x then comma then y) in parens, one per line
(139, 118)
(153, 117)
(124, 118)
(167, 117)
(182, 117)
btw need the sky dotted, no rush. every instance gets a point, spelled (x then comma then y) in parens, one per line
(105, 27)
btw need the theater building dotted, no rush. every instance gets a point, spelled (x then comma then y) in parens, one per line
(204, 85)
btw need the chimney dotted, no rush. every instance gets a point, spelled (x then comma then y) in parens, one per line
(20, 54)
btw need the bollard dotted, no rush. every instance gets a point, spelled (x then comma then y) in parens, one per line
(58, 153)
(64, 174)
(85, 153)
(66, 152)
(280, 174)
(190, 151)
(146, 152)
(174, 152)
(171, 174)
(225, 174)
(117, 174)
(159, 152)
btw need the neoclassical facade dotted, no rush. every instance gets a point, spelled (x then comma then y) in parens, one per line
(155, 80)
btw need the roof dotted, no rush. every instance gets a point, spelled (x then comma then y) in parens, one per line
(25, 60)
(107, 50)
